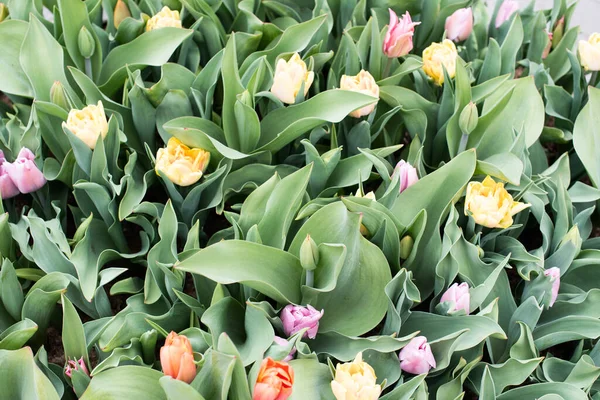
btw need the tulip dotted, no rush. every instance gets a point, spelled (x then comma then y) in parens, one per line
(406, 245)
(177, 358)
(459, 295)
(362, 83)
(88, 124)
(26, 176)
(554, 274)
(165, 18)
(8, 188)
(416, 357)
(289, 77)
(296, 318)
(355, 380)
(3, 12)
(76, 365)
(407, 173)
(460, 24)
(284, 343)
(490, 204)
(589, 53)
(437, 57)
(121, 12)
(506, 10)
(399, 37)
(58, 96)
(181, 165)
(548, 46)
(274, 381)
(86, 43)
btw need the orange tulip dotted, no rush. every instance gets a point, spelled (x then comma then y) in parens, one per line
(274, 381)
(177, 358)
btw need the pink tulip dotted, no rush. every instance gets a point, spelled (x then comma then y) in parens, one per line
(75, 365)
(24, 173)
(548, 46)
(506, 10)
(296, 318)
(282, 342)
(459, 294)
(8, 188)
(554, 274)
(460, 24)
(399, 37)
(408, 175)
(416, 357)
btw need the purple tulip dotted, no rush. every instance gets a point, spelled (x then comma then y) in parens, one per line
(8, 188)
(24, 173)
(554, 274)
(296, 318)
(416, 357)
(460, 24)
(408, 175)
(506, 10)
(282, 342)
(75, 365)
(459, 294)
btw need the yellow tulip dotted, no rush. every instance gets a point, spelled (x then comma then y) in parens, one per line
(120, 13)
(164, 18)
(362, 83)
(438, 55)
(589, 53)
(289, 77)
(355, 380)
(490, 204)
(182, 165)
(88, 124)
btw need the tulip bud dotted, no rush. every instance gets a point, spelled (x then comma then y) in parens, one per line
(121, 12)
(182, 165)
(163, 19)
(589, 53)
(554, 274)
(274, 381)
(506, 10)
(408, 175)
(548, 45)
(177, 358)
(572, 236)
(76, 365)
(406, 246)
(88, 123)
(3, 12)
(86, 43)
(468, 119)
(296, 318)
(362, 83)
(440, 56)
(559, 30)
(148, 342)
(398, 40)
(290, 77)
(58, 96)
(416, 357)
(355, 380)
(8, 188)
(309, 254)
(26, 176)
(460, 24)
(459, 295)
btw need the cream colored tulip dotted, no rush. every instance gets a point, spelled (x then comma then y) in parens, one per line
(88, 124)
(164, 18)
(362, 83)
(438, 55)
(589, 53)
(355, 381)
(180, 164)
(289, 77)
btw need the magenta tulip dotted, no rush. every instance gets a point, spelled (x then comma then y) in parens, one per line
(506, 10)
(459, 295)
(399, 37)
(554, 274)
(24, 173)
(416, 357)
(407, 173)
(282, 342)
(8, 188)
(75, 365)
(460, 24)
(296, 318)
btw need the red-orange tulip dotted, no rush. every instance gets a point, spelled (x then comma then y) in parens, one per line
(274, 381)
(177, 358)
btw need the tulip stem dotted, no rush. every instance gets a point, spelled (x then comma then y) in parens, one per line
(310, 278)
(463, 143)
(88, 68)
(388, 67)
(594, 79)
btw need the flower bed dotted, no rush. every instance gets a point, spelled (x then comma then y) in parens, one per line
(341, 199)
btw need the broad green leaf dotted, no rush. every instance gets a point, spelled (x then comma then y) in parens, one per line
(128, 382)
(21, 379)
(537, 390)
(312, 380)
(73, 336)
(17, 335)
(586, 136)
(178, 390)
(14, 80)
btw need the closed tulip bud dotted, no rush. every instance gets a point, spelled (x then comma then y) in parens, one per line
(370, 195)
(309, 254)
(407, 173)
(8, 188)
(573, 236)
(490, 204)
(361, 83)
(355, 380)
(3, 12)
(88, 124)
(554, 274)
(589, 53)
(165, 18)
(76, 365)
(406, 246)
(24, 173)
(437, 57)
(398, 40)
(468, 119)
(559, 30)
(460, 24)
(121, 12)
(416, 357)
(180, 164)
(506, 10)
(148, 342)
(177, 358)
(86, 43)
(459, 295)
(548, 45)
(274, 381)
(58, 96)
(289, 78)
(296, 318)
(284, 343)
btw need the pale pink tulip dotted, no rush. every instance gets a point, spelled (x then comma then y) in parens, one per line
(506, 10)
(8, 188)
(459, 294)
(399, 37)
(24, 173)
(460, 24)
(408, 175)
(416, 357)
(554, 274)
(296, 318)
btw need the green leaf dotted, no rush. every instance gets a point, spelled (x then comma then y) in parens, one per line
(11, 292)
(21, 379)
(177, 390)
(14, 80)
(128, 382)
(15, 336)
(537, 390)
(312, 380)
(586, 136)
(73, 336)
